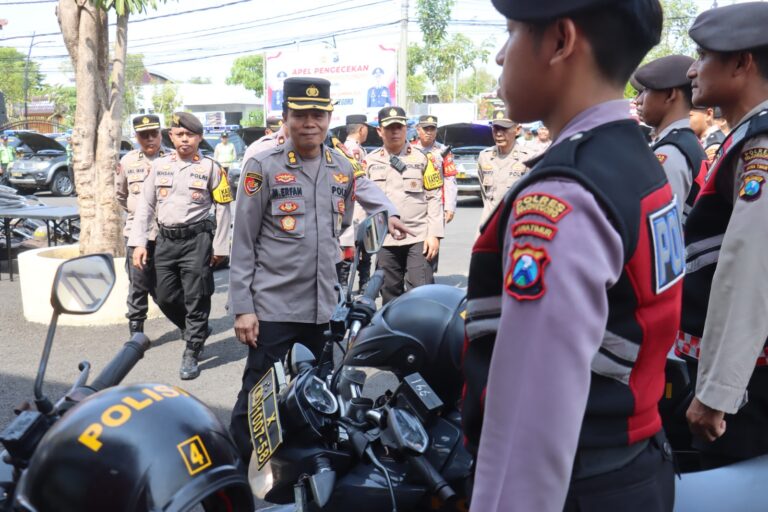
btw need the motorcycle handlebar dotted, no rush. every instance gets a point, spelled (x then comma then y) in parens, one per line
(437, 484)
(122, 363)
(374, 285)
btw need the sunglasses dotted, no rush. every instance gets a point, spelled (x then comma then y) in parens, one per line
(149, 134)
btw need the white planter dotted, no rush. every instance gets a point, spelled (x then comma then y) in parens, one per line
(37, 268)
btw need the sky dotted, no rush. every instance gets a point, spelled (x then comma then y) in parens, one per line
(201, 38)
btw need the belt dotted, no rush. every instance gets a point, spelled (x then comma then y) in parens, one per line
(186, 232)
(688, 345)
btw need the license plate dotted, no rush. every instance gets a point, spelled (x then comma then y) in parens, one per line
(266, 433)
(462, 175)
(16, 174)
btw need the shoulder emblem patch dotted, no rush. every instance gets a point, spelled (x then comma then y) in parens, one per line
(285, 177)
(755, 154)
(661, 157)
(252, 182)
(751, 187)
(525, 279)
(545, 205)
(341, 178)
(533, 228)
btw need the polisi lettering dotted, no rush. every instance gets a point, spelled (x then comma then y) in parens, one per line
(668, 247)
(119, 414)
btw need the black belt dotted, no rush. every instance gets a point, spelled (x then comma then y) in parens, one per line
(186, 232)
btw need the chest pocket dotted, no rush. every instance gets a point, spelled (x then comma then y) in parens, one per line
(198, 191)
(135, 178)
(413, 181)
(163, 184)
(377, 172)
(288, 217)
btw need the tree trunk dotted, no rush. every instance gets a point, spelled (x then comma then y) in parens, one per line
(96, 134)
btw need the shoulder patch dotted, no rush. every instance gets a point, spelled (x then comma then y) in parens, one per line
(544, 205)
(252, 182)
(661, 157)
(533, 228)
(668, 246)
(751, 187)
(525, 279)
(755, 154)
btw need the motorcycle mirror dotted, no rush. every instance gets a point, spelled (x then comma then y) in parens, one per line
(372, 232)
(301, 357)
(82, 285)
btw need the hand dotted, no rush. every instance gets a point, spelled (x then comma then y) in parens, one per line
(705, 422)
(397, 229)
(247, 328)
(216, 259)
(431, 247)
(448, 216)
(139, 257)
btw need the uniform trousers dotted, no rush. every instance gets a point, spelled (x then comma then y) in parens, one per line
(185, 282)
(405, 267)
(141, 283)
(274, 341)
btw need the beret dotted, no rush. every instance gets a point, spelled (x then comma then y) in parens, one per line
(732, 28)
(188, 121)
(665, 73)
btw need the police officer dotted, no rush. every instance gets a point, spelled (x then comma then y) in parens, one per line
(665, 105)
(413, 184)
(500, 166)
(293, 203)
(566, 317)
(181, 188)
(273, 124)
(268, 141)
(703, 125)
(724, 325)
(133, 169)
(442, 159)
(378, 95)
(7, 156)
(225, 153)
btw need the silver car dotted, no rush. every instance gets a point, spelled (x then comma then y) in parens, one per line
(44, 167)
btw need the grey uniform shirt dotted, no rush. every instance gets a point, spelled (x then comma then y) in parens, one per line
(355, 149)
(450, 187)
(180, 193)
(497, 173)
(347, 239)
(421, 210)
(133, 169)
(675, 165)
(266, 142)
(289, 214)
(737, 325)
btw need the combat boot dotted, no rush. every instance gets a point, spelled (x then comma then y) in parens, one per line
(189, 361)
(135, 326)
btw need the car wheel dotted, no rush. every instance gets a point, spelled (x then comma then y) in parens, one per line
(62, 185)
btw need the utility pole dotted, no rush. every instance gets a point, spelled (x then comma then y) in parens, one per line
(402, 58)
(26, 82)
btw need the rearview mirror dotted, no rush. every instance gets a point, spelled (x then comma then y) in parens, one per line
(372, 232)
(82, 285)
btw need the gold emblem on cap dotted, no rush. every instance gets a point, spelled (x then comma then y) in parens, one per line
(313, 91)
(499, 115)
(393, 112)
(175, 119)
(145, 120)
(430, 119)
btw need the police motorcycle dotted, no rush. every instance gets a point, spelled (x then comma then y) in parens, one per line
(319, 444)
(147, 447)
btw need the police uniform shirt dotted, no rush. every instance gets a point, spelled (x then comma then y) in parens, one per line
(421, 210)
(347, 239)
(450, 187)
(355, 149)
(675, 165)
(132, 170)
(736, 326)
(265, 143)
(181, 193)
(285, 248)
(497, 173)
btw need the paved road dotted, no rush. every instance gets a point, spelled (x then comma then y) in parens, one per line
(21, 342)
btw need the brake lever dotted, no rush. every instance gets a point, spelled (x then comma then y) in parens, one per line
(77, 392)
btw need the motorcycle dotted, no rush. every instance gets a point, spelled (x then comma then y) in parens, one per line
(320, 445)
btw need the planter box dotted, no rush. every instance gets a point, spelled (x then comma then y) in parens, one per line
(37, 268)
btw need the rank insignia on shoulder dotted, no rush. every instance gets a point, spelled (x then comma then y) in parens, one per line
(285, 177)
(291, 157)
(252, 182)
(341, 178)
(280, 140)
(544, 205)
(661, 157)
(525, 279)
(751, 187)
(328, 158)
(288, 223)
(533, 228)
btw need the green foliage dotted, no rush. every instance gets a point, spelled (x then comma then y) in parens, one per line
(65, 100)
(417, 86)
(123, 7)
(248, 71)
(678, 18)
(252, 118)
(433, 17)
(165, 101)
(480, 81)
(12, 66)
(134, 76)
(199, 80)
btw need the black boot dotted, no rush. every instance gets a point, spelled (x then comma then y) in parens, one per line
(189, 368)
(135, 326)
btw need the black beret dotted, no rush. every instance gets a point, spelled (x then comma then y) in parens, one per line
(665, 73)
(634, 83)
(428, 120)
(392, 115)
(356, 119)
(188, 121)
(732, 28)
(307, 93)
(146, 123)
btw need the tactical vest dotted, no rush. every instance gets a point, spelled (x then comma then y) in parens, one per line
(686, 141)
(612, 162)
(705, 230)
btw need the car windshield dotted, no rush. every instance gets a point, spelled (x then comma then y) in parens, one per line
(214, 138)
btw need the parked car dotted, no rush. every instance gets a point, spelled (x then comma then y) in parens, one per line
(467, 141)
(44, 167)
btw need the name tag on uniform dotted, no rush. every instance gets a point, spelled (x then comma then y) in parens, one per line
(668, 246)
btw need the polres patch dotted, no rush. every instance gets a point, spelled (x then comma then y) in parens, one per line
(751, 187)
(252, 182)
(525, 279)
(532, 228)
(668, 246)
(545, 205)
(661, 157)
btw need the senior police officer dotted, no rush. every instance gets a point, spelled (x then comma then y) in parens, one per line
(273, 124)
(665, 105)
(411, 182)
(442, 159)
(133, 169)
(574, 285)
(293, 203)
(500, 166)
(725, 298)
(180, 189)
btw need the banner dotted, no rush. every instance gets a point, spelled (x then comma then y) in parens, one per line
(363, 79)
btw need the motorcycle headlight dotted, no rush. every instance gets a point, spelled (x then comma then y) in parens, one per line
(408, 430)
(319, 397)
(261, 481)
